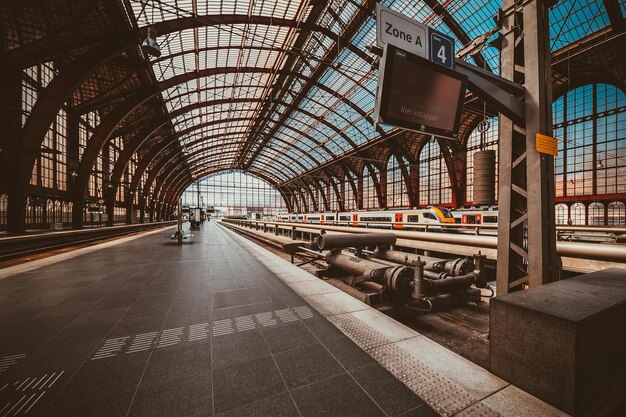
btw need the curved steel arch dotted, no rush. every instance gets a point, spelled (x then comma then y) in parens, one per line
(182, 78)
(184, 23)
(97, 145)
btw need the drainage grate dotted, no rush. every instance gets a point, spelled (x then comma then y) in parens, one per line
(142, 342)
(7, 361)
(23, 394)
(170, 337)
(174, 336)
(110, 348)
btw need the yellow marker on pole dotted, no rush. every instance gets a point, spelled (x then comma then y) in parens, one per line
(546, 144)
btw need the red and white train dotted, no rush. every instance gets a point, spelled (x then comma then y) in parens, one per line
(392, 219)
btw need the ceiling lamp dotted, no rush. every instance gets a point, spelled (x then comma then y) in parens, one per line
(150, 45)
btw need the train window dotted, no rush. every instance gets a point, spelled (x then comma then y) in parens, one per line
(413, 219)
(330, 217)
(374, 219)
(344, 218)
(430, 216)
(490, 219)
(446, 213)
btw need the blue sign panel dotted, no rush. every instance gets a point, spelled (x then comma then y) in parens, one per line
(441, 48)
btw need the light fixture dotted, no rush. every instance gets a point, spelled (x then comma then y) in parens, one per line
(150, 45)
(600, 164)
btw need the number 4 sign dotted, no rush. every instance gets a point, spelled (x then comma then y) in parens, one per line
(441, 49)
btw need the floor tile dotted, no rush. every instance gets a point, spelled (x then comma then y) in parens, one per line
(389, 393)
(246, 382)
(287, 336)
(104, 406)
(185, 397)
(336, 396)
(348, 353)
(306, 365)
(277, 406)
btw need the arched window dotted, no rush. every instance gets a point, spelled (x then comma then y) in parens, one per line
(4, 204)
(308, 200)
(596, 214)
(617, 214)
(578, 214)
(67, 212)
(434, 180)
(233, 192)
(49, 211)
(348, 192)
(484, 137)
(397, 195)
(561, 213)
(590, 124)
(331, 195)
(369, 190)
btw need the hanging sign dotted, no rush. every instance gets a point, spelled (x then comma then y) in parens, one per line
(412, 36)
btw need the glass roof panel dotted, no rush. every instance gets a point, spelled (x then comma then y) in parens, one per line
(571, 20)
(318, 124)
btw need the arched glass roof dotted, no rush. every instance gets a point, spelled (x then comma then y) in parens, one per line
(283, 86)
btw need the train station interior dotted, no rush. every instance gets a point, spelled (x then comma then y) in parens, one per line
(300, 208)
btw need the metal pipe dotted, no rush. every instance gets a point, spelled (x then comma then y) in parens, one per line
(417, 285)
(454, 267)
(356, 266)
(431, 264)
(449, 285)
(327, 242)
(374, 286)
(435, 275)
(600, 252)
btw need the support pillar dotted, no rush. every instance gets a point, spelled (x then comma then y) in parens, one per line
(526, 233)
(10, 139)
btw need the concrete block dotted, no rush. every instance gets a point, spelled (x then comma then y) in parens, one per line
(564, 342)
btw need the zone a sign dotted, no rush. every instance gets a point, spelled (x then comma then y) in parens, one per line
(410, 35)
(401, 31)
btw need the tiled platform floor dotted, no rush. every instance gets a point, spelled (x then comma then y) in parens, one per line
(149, 328)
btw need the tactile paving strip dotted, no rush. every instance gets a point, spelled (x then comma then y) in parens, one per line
(360, 333)
(443, 395)
(326, 307)
(477, 410)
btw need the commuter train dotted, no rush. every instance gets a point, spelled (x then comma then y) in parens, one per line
(480, 215)
(388, 219)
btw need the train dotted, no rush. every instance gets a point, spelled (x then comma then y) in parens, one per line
(396, 218)
(389, 219)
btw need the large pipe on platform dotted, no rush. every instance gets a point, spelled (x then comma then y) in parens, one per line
(448, 285)
(396, 278)
(454, 267)
(363, 268)
(355, 240)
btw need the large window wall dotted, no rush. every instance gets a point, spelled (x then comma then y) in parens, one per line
(370, 201)
(50, 168)
(434, 180)
(590, 124)
(234, 193)
(397, 193)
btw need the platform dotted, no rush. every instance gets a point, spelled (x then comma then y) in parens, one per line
(218, 326)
